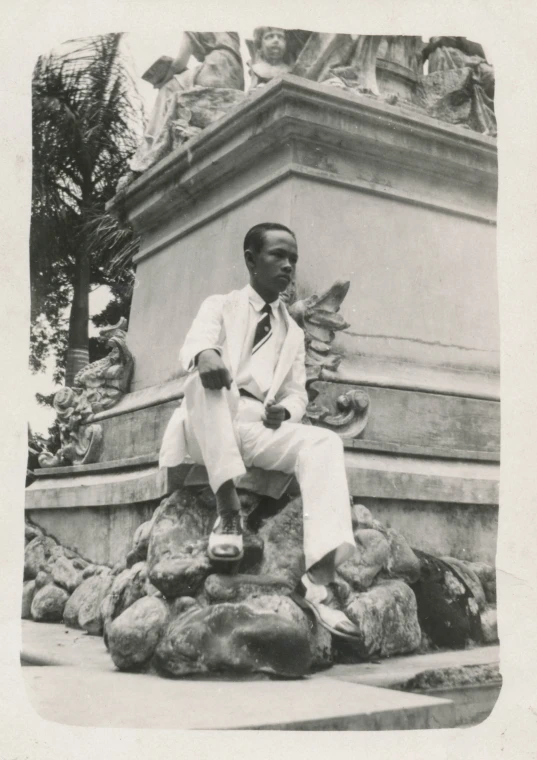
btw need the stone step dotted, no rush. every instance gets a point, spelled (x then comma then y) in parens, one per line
(93, 697)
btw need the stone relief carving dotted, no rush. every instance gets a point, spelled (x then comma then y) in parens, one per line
(319, 317)
(98, 386)
(189, 99)
(270, 55)
(459, 87)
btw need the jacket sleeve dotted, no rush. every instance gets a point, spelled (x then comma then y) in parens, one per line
(292, 394)
(205, 332)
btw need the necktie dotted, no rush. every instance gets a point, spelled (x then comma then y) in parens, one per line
(263, 331)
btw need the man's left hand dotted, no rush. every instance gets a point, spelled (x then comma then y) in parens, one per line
(275, 414)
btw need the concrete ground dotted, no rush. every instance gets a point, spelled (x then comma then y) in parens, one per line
(81, 686)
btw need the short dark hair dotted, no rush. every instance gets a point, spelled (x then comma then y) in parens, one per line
(256, 235)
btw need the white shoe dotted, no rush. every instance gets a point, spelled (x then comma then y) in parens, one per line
(225, 541)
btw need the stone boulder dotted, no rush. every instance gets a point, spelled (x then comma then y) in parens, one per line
(36, 554)
(135, 633)
(447, 610)
(487, 576)
(140, 544)
(235, 638)
(489, 624)
(470, 577)
(42, 578)
(282, 537)
(176, 555)
(127, 587)
(48, 604)
(372, 556)
(83, 610)
(31, 531)
(66, 575)
(387, 617)
(28, 591)
(402, 561)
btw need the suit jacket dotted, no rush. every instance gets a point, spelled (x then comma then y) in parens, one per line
(221, 323)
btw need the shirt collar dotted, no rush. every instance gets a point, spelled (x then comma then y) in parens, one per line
(257, 302)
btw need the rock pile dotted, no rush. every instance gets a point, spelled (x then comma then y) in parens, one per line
(167, 610)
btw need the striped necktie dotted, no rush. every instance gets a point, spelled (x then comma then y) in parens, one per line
(263, 331)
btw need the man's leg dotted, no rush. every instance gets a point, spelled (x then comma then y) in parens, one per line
(212, 441)
(315, 455)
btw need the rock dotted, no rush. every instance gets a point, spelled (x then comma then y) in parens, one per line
(447, 610)
(83, 610)
(471, 579)
(79, 563)
(89, 611)
(126, 589)
(140, 544)
(65, 574)
(36, 554)
(282, 536)
(28, 591)
(134, 635)
(489, 624)
(48, 604)
(119, 567)
(320, 640)
(42, 578)
(387, 617)
(402, 562)
(372, 556)
(487, 575)
(361, 517)
(89, 571)
(232, 637)
(176, 556)
(31, 531)
(239, 588)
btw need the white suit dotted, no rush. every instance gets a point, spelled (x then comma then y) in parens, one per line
(225, 432)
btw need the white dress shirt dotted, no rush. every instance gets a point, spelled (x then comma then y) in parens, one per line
(259, 385)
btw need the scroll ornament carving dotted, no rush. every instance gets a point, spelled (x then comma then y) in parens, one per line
(319, 317)
(98, 386)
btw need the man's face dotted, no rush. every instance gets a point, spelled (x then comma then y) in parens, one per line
(273, 45)
(274, 266)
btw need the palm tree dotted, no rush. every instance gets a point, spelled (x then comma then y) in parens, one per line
(87, 118)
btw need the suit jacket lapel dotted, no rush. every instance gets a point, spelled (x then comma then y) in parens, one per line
(235, 316)
(287, 355)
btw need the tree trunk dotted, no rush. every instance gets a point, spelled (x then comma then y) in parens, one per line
(77, 351)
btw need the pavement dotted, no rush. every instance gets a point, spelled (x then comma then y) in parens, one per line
(70, 679)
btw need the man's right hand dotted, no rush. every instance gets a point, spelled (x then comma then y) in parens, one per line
(213, 372)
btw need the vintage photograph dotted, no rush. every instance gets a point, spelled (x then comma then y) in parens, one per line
(264, 445)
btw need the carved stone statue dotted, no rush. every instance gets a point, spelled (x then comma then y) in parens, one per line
(460, 84)
(344, 60)
(98, 386)
(270, 55)
(211, 88)
(319, 317)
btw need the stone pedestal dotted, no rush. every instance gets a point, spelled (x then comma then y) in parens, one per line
(401, 205)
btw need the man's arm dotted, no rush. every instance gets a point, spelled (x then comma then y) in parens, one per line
(205, 332)
(293, 396)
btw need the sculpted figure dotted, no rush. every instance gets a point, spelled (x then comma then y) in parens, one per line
(460, 83)
(219, 68)
(344, 60)
(97, 387)
(270, 55)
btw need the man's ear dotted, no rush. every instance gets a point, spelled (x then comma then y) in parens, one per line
(249, 258)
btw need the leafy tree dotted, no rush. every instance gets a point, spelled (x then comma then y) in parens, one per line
(86, 121)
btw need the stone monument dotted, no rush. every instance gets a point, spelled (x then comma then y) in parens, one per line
(394, 212)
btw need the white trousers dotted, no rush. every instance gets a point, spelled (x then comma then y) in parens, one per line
(225, 432)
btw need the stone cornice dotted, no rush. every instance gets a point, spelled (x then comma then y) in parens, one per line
(293, 108)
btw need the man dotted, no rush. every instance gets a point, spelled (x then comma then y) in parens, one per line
(243, 404)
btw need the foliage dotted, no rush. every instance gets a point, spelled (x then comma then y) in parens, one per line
(86, 121)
